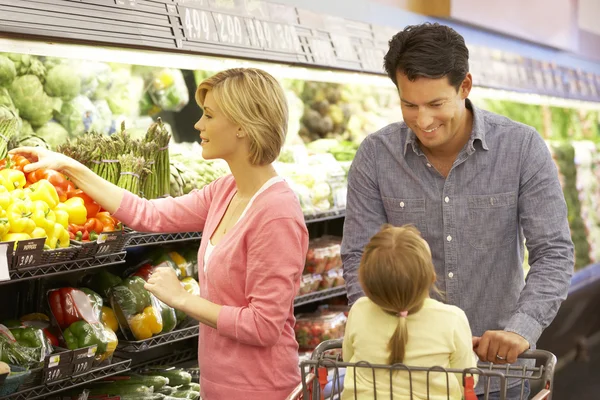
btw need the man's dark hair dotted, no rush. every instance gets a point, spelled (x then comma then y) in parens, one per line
(428, 50)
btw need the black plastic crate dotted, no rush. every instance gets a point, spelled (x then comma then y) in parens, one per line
(55, 256)
(56, 368)
(107, 243)
(30, 253)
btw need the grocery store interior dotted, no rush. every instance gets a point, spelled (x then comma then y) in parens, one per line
(112, 83)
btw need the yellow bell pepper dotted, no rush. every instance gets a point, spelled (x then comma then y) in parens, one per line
(4, 226)
(43, 216)
(19, 195)
(62, 236)
(19, 216)
(111, 343)
(5, 198)
(180, 262)
(15, 237)
(44, 191)
(62, 217)
(109, 318)
(12, 179)
(146, 324)
(75, 207)
(38, 233)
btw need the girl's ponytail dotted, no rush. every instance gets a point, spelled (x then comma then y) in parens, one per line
(397, 344)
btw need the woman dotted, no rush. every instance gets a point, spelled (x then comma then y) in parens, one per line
(254, 240)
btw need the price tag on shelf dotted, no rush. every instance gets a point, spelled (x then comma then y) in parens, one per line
(199, 25)
(4, 272)
(54, 361)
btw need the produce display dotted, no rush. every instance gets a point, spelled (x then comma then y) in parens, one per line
(323, 265)
(60, 98)
(312, 329)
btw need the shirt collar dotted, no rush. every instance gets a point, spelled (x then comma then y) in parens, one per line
(477, 132)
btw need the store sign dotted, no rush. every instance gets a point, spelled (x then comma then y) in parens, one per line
(204, 25)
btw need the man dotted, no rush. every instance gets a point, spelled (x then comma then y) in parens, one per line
(475, 184)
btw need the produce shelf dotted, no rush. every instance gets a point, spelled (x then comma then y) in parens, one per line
(118, 366)
(64, 267)
(320, 295)
(325, 216)
(174, 358)
(157, 341)
(137, 239)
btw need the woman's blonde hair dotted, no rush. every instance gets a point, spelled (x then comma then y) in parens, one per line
(253, 99)
(396, 272)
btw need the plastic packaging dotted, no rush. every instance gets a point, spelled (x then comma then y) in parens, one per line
(324, 254)
(312, 329)
(139, 313)
(168, 90)
(310, 283)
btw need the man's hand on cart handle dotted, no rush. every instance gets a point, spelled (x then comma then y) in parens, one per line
(499, 347)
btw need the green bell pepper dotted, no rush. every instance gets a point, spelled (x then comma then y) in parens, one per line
(82, 334)
(131, 295)
(169, 318)
(29, 337)
(96, 301)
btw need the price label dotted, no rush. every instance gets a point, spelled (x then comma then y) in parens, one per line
(199, 25)
(4, 273)
(54, 361)
(322, 51)
(370, 58)
(343, 47)
(272, 35)
(92, 351)
(230, 29)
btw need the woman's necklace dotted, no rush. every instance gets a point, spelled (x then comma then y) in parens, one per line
(233, 212)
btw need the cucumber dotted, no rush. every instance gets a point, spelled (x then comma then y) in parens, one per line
(186, 394)
(154, 381)
(166, 390)
(192, 386)
(176, 376)
(118, 389)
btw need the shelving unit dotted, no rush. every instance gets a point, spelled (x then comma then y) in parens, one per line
(118, 366)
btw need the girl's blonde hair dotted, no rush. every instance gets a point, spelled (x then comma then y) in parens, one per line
(253, 99)
(396, 272)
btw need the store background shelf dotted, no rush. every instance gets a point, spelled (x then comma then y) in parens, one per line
(325, 216)
(173, 358)
(118, 366)
(160, 340)
(320, 295)
(65, 267)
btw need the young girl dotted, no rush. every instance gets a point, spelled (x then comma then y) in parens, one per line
(398, 323)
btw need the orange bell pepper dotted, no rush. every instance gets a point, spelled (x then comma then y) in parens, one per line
(93, 225)
(108, 222)
(60, 182)
(90, 205)
(15, 161)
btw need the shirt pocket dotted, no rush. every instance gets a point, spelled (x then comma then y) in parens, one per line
(492, 220)
(403, 211)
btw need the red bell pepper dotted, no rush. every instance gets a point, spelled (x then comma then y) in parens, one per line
(90, 205)
(69, 305)
(51, 337)
(145, 271)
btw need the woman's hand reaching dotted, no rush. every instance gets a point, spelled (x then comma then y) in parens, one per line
(43, 158)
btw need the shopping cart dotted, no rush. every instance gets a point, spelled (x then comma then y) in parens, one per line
(321, 375)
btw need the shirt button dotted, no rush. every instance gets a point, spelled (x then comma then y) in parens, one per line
(449, 238)
(428, 165)
(447, 199)
(450, 275)
(402, 204)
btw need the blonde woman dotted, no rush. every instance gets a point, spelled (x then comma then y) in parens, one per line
(397, 322)
(253, 245)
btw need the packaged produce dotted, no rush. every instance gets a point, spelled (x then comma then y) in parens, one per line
(323, 254)
(101, 282)
(312, 329)
(168, 89)
(139, 313)
(33, 338)
(15, 353)
(310, 283)
(78, 313)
